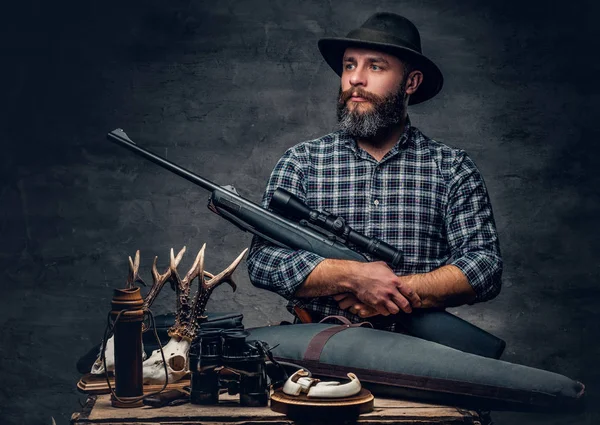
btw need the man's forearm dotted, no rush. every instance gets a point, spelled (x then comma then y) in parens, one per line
(330, 277)
(277, 269)
(443, 287)
(373, 284)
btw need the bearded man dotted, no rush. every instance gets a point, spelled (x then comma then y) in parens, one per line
(389, 181)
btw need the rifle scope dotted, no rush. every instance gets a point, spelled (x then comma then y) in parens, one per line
(292, 207)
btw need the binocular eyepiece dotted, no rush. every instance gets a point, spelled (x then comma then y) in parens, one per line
(222, 358)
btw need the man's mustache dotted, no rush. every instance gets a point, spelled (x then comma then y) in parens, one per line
(359, 92)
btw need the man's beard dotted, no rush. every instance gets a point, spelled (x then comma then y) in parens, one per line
(386, 112)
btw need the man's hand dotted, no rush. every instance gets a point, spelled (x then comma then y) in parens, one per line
(348, 301)
(375, 285)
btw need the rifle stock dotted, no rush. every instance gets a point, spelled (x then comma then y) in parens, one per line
(434, 325)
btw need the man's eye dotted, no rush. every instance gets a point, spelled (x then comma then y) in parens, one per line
(349, 66)
(375, 67)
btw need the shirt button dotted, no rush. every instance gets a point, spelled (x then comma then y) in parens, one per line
(376, 202)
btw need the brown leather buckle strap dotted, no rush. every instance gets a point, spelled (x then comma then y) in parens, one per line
(317, 343)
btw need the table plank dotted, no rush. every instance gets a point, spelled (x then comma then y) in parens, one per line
(98, 410)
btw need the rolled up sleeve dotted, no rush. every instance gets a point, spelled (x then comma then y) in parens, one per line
(471, 230)
(270, 267)
(278, 269)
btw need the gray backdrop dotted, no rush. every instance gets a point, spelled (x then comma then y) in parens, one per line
(224, 89)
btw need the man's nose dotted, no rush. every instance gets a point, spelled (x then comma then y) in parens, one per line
(358, 77)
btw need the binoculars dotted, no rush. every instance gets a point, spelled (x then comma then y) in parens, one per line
(222, 359)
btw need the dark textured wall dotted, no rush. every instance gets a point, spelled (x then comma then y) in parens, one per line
(224, 89)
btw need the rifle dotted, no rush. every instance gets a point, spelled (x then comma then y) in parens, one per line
(431, 324)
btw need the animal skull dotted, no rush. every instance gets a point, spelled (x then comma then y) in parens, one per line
(186, 325)
(176, 357)
(188, 312)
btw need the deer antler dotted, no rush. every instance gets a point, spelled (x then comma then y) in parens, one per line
(183, 326)
(186, 324)
(134, 267)
(159, 280)
(206, 288)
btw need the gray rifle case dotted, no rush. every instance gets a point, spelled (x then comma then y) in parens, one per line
(398, 365)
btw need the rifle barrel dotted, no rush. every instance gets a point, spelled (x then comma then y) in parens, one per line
(119, 137)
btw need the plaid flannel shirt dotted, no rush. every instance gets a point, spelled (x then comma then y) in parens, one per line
(423, 197)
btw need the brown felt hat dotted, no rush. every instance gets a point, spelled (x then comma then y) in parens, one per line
(393, 34)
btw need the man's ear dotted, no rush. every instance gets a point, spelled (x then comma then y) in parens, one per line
(413, 81)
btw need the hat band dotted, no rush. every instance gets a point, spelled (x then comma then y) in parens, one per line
(376, 36)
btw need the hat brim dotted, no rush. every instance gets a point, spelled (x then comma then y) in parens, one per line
(333, 50)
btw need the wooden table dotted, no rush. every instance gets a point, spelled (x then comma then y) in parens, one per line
(228, 412)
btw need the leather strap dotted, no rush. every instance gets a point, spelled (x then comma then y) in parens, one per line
(317, 343)
(342, 319)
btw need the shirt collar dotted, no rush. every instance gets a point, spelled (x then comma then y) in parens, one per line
(350, 142)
